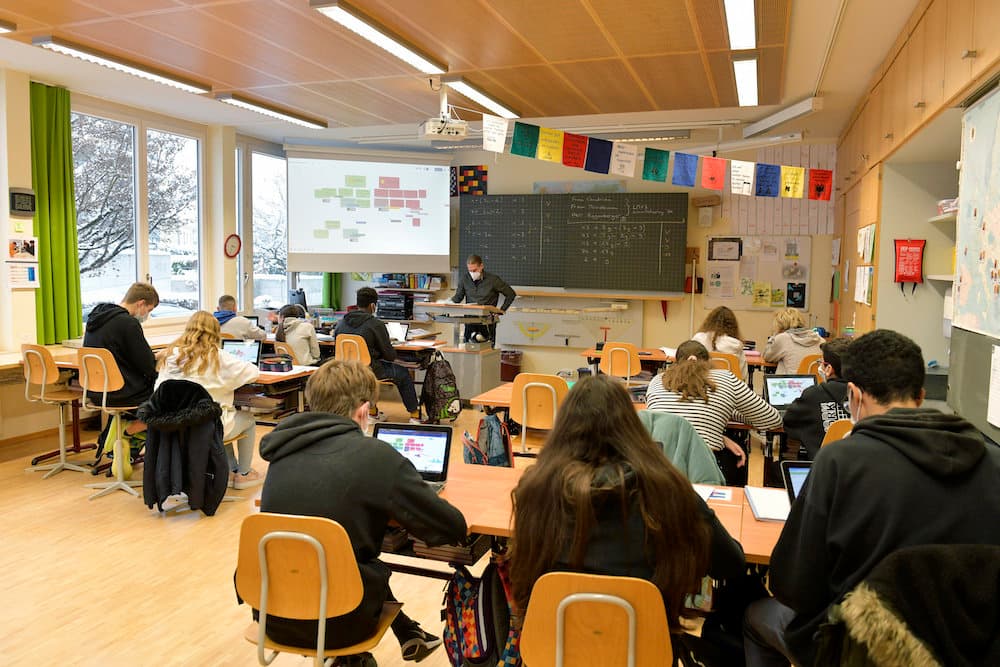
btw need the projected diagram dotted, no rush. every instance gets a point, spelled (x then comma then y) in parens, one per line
(403, 206)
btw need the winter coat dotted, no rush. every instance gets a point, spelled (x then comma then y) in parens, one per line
(110, 326)
(184, 447)
(789, 348)
(683, 446)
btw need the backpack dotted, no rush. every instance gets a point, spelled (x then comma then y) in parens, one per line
(492, 444)
(439, 393)
(477, 629)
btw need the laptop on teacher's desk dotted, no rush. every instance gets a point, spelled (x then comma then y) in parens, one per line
(426, 446)
(782, 390)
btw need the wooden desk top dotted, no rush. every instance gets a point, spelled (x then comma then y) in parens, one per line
(69, 362)
(455, 307)
(645, 354)
(499, 397)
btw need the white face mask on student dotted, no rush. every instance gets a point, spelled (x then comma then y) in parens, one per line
(475, 275)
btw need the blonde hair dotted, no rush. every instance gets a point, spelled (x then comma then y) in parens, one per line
(341, 387)
(689, 374)
(789, 318)
(197, 349)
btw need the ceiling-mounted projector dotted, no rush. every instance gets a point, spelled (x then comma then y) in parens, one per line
(443, 128)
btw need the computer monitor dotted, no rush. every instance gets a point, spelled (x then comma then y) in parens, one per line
(253, 319)
(397, 330)
(298, 296)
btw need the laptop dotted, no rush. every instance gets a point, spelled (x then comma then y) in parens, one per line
(426, 446)
(253, 319)
(795, 473)
(782, 390)
(397, 331)
(244, 350)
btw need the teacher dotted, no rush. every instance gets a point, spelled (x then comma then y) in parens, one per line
(479, 287)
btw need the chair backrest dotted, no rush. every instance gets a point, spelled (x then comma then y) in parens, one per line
(99, 372)
(838, 430)
(725, 361)
(227, 336)
(589, 619)
(285, 348)
(352, 347)
(39, 369)
(284, 560)
(536, 398)
(620, 359)
(810, 366)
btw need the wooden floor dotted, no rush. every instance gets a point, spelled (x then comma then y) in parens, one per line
(109, 582)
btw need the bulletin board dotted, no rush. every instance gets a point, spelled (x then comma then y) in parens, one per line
(758, 272)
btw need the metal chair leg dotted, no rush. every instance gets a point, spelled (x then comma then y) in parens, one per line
(62, 464)
(118, 465)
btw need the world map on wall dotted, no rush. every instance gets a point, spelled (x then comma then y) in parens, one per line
(977, 261)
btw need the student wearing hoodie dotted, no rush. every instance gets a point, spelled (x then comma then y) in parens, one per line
(791, 341)
(362, 322)
(299, 333)
(808, 418)
(905, 476)
(323, 464)
(236, 325)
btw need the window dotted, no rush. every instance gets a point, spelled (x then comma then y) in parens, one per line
(270, 215)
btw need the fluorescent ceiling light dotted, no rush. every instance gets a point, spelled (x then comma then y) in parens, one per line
(462, 88)
(747, 144)
(7, 26)
(741, 24)
(790, 112)
(271, 112)
(98, 58)
(746, 81)
(355, 21)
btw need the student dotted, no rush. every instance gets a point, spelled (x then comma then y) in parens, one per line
(603, 498)
(478, 286)
(363, 322)
(295, 329)
(709, 399)
(808, 418)
(791, 341)
(721, 333)
(196, 357)
(323, 464)
(905, 476)
(236, 325)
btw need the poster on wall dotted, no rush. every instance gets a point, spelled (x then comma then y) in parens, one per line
(766, 272)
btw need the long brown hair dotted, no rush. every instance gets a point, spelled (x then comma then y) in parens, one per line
(197, 349)
(291, 310)
(721, 322)
(596, 441)
(689, 377)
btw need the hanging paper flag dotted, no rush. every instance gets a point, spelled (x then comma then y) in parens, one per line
(654, 165)
(741, 177)
(713, 173)
(550, 145)
(574, 150)
(685, 168)
(494, 133)
(768, 177)
(525, 141)
(792, 181)
(623, 157)
(598, 155)
(820, 184)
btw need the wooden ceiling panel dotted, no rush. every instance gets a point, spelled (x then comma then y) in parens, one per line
(312, 36)
(772, 22)
(414, 91)
(558, 29)
(607, 84)
(647, 26)
(711, 19)
(374, 102)
(141, 45)
(720, 63)
(131, 7)
(675, 81)
(770, 75)
(52, 13)
(313, 104)
(536, 91)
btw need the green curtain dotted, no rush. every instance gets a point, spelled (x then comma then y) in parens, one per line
(331, 290)
(58, 307)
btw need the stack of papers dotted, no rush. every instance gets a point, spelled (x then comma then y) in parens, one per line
(768, 504)
(708, 493)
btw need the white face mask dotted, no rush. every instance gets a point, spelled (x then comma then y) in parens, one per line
(850, 409)
(475, 275)
(822, 371)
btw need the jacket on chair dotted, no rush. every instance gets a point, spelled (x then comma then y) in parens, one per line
(184, 447)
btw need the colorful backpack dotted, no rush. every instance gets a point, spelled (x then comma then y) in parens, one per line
(492, 444)
(477, 630)
(439, 394)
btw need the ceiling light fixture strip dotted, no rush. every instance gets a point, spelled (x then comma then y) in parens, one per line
(271, 112)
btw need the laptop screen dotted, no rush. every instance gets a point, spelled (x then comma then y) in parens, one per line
(426, 446)
(254, 320)
(782, 390)
(795, 474)
(244, 350)
(397, 330)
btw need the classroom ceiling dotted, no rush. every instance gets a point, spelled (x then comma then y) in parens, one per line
(618, 64)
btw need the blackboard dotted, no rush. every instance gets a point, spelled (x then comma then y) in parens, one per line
(613, 241)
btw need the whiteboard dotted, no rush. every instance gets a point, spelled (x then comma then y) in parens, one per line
(763, 273)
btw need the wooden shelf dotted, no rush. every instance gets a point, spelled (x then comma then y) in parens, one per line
(943, 277)
(945, 218)
(407, 289)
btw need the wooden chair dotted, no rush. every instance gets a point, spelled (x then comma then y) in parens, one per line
(727, 362)
(99, 373)
(534, 401)
(227, 336)
(838, 430)
(587, 619)
(352, 347)
(810, 366)
(620, 360)
(41, 385)
(285, 348)
(301, 567)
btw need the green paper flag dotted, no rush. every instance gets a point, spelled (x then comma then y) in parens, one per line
(525, 141)
(654, 165)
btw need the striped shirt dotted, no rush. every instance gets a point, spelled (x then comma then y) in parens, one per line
(732, 400)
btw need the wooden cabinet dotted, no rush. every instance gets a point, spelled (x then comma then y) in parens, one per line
(985, 31)
(894, 103)
(873, 126)
(958, 43)
(915, 104)
(933, 28)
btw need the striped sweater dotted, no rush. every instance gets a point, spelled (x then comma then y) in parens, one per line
(732, 400)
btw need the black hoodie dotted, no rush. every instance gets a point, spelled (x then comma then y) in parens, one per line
(110, 326)
(810, 415)
(907, 477)
(372, 329)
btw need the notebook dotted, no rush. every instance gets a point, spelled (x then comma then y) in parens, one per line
(397, 331)
(782, 390)
(254, 320)
(426, 446)
(794, 473)
(767, 504)
(244, 350)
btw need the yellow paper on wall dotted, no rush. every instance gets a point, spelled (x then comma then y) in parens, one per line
(792, 181)
(550, 145)
(761, 294)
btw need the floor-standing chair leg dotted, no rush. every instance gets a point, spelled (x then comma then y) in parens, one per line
(118, 465)
(62, 464)
(76, 447)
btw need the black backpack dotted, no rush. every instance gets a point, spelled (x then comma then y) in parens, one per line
(439, 394)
